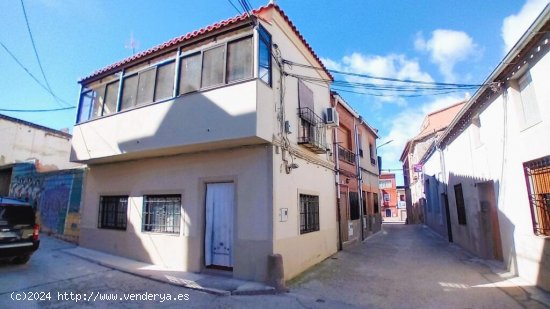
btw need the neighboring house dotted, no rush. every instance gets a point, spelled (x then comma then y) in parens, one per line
(35, 167)
(432, 127)
(401, 204)
(494, 162)
(355, 207)
(369, 166)
(388, 194)
(202, 155)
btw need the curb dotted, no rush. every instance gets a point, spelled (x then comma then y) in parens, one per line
(214, 291)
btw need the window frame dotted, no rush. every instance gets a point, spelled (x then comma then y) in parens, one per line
(122, 74)
(539, 202)
(270, 60)
(201, 51)
(525, 122)
(148, 217)
(101, 224)
(304, 214)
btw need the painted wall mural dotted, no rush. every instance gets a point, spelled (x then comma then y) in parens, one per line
(55, 195)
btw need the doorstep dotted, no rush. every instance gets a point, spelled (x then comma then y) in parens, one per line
(218, 285)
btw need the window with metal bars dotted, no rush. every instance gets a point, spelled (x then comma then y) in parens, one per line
(537, 177)
(162, 213)
(112, 212)
(309, 213)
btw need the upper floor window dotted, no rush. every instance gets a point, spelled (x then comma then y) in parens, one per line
(264, 55)
(385, 184)
(537, 175)
(98, 99)
(148, 85)
(154, 80)
(529, 108)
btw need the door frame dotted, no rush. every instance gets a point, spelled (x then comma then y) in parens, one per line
(205, 194)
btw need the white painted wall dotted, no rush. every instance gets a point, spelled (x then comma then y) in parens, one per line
(470, 163)
(21, 142)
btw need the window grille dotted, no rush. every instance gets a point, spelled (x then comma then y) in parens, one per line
(162, 213)
(112, 212)
(309, 213)
(537, 177)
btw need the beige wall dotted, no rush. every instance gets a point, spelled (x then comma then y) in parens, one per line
(21, 142)
(301, 251)
(186, 175)
(197, 121)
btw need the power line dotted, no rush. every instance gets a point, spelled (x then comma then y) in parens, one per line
(36, 110)
(235, 7)
(37, 57)
(30, 74)
(291, 63)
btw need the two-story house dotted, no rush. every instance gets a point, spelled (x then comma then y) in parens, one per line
(357, 174)
(209, 152)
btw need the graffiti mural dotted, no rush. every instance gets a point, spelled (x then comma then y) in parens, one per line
(55, 195)
(26, 183)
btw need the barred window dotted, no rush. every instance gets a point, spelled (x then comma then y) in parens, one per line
(537, 176)
(162, 213)
(112, 212)
(309, 213)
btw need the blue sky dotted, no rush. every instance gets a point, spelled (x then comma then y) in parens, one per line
(443, 41)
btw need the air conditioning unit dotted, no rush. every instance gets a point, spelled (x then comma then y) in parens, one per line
(331, 117)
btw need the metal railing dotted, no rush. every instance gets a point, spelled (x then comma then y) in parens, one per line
(537, 175)
(346, 155)
(311, 131)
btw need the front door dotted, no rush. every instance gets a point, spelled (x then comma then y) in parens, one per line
(218, 238)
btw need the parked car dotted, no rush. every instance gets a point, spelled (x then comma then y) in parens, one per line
(19, 233)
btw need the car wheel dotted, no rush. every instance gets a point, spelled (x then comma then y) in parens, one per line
(22, 259)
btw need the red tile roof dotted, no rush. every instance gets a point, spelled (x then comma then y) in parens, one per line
(178, 40)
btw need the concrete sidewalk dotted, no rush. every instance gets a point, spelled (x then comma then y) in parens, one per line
(218, 285)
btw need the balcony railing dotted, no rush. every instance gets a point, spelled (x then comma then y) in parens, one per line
(346, 155)
(312, 133)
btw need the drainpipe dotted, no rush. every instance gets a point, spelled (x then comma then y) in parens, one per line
(359, 178)
(337, 179)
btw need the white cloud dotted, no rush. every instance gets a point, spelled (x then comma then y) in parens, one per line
(406, 125)
(515, 25)
(391, 66)
(446, 49)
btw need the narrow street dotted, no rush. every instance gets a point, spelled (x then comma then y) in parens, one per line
(401, 267)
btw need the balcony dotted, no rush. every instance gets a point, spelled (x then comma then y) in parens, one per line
(311, 131)
(346, 155)
(215, 119)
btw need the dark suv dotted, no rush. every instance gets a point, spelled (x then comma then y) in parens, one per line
(19, 233)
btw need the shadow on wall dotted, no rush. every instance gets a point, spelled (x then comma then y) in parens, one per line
(211, 118)
(55, 195)
(195, 118)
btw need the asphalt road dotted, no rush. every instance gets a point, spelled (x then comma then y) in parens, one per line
(401, 267)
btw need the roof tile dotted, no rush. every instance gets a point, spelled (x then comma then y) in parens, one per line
(204, 30)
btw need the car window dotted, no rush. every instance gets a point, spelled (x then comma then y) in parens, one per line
(13, 215)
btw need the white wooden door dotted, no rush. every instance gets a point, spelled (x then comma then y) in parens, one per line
(218, 240)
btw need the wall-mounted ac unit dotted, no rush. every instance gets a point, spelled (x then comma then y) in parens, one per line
(331, 117)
